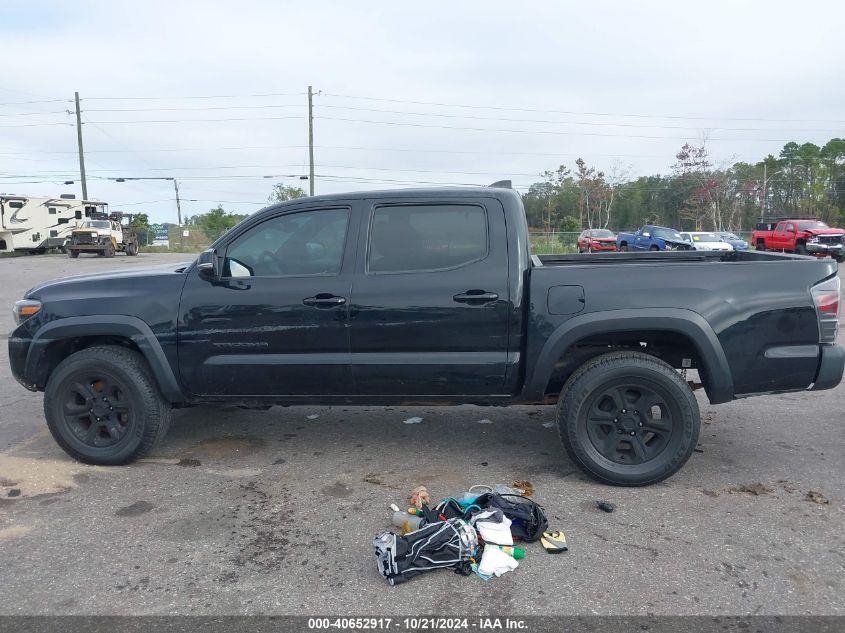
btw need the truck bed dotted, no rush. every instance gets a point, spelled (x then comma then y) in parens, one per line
(662, 256)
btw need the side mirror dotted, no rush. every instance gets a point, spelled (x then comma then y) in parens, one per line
(646, 234)
(210, 264)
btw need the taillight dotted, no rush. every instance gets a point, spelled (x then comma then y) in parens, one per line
(826, 296)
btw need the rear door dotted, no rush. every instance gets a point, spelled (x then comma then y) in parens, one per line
(430, 302)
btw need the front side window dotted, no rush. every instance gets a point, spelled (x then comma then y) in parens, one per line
(306, 243)
(415, 238)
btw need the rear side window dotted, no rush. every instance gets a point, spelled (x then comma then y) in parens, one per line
(417, 238)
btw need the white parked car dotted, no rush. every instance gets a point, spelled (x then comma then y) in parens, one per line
(703, 241)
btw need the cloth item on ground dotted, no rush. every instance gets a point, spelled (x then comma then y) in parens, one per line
(528, 518)
(437, 545)
(495, 562)
(493, 526)
(419, 497)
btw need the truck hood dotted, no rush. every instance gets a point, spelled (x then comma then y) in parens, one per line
(104, 279)
(824, 231)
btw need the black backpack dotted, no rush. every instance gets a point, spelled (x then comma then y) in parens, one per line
(528, 520)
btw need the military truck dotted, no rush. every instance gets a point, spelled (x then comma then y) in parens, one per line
(104, 235)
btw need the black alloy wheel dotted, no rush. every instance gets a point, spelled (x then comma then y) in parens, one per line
(96, 409)
(103, 406)
(628, 419)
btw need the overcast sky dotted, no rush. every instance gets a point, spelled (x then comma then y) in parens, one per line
(622, 84)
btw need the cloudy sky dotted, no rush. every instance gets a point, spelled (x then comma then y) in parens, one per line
(213, 93)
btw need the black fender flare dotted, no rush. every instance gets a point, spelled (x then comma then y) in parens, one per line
(719, 380)
(120, 325)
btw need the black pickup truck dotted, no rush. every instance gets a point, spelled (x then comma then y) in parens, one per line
(428, 296)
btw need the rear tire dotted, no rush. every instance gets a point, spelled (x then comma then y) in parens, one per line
(761, 245)
(72, 253)
(103, 407)
(131, 250)
(653, 248)
(623, 247)
(623, 395)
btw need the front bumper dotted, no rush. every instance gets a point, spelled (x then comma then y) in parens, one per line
(18, 351)
(834, 250)
(602, 247)
(831, 367)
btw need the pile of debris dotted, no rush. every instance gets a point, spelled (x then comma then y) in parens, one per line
(472, 533)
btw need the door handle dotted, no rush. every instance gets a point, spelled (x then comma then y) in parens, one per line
(324, 300)
(472, 296)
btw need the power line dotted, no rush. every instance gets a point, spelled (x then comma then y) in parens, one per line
(201, 109)
(551, 132)
(589, 123)
(8, 103)
(246, 96)
(261, 118)
(616, 114)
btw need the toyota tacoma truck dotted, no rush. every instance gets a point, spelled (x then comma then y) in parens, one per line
(806, 236)
(652, 238)
(427, 296)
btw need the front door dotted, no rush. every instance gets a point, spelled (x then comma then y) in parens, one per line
(430, 303)
(276, 323)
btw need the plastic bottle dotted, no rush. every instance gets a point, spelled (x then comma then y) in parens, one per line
(407, 522)
(517, 552)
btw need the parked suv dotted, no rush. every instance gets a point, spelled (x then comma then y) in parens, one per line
(596, 240)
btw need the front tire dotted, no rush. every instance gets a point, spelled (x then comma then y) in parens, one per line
(628, 419)
(623, 248)
(103, 407)
(72, 253)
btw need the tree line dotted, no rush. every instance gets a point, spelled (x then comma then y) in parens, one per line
(803, 180)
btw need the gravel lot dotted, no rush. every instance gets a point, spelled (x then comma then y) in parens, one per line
(273, 512)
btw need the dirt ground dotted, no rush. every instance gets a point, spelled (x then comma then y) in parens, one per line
(274, 512)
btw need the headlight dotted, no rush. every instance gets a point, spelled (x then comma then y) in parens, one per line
(24, 309)
(95, 234)
(814, 240)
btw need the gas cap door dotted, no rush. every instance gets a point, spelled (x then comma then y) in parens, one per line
(566, 299)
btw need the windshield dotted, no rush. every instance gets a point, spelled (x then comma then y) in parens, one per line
(96, 224)
(668, 234)
(600, 233)
(815, 224)
(729, 236)
(705, 237)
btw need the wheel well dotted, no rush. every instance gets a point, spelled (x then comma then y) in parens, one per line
(57, 351)
(674, 348)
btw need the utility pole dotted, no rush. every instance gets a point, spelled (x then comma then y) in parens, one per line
(310, 139)
(763, 199)
(179, 214)
(81, 151)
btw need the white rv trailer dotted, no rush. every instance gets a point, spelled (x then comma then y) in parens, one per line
(35, 224)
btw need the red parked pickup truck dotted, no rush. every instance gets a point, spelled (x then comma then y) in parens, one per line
(803, 236)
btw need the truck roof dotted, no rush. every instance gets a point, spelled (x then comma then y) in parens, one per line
(420, 192)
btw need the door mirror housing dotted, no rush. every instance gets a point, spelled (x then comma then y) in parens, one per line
(210, 264)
